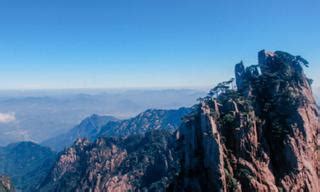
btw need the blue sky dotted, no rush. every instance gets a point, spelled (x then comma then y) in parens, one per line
(147, 43)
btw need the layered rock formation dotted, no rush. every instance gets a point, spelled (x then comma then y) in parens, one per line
(261, 136)
(135, 163)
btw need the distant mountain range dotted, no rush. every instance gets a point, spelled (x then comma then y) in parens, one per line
(106, 126)
(28, 164)
(152, 119)
(259, 136)
(88, 128)
(40, 115)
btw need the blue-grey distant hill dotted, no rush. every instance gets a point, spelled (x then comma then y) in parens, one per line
(40, 115)
(88, 128)
(26, 163)
(106, 126)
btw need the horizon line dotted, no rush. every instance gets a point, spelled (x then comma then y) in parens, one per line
(111, 88)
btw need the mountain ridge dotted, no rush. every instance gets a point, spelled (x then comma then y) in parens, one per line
(136, 162)
(258, 131)
(151, 119)
(98, 126)
(40, 115)
(89, 127)
(26, 163)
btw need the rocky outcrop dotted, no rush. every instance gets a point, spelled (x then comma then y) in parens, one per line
(136, 163)
(6, 185)
(262, 136)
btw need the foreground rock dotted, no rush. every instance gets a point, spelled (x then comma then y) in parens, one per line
(136, 163)
(6, 185)
(260, 137)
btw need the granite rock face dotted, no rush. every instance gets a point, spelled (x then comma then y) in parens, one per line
(262, 136)
(135, 163)
(136, 154)
(259, 133)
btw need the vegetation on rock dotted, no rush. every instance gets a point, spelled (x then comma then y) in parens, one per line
(258, 136)
(135, 163)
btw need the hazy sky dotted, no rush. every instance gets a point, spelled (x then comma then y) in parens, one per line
(147, 43)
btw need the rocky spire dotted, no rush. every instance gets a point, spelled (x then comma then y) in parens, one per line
(264, 138)
(240, 75)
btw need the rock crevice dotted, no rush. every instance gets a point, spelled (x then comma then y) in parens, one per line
(261, 136)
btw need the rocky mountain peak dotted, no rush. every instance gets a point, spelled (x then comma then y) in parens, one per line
(256, 132)
(261, 136)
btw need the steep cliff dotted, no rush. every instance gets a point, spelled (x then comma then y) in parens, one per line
(260, 136)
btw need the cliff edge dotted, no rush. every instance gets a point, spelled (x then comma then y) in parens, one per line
(258, 132)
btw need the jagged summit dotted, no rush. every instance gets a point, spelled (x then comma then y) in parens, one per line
(255, 132)
(261, 136)
(136, 163)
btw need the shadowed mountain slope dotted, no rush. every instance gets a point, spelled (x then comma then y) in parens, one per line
(26, 163)
(137, 163)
